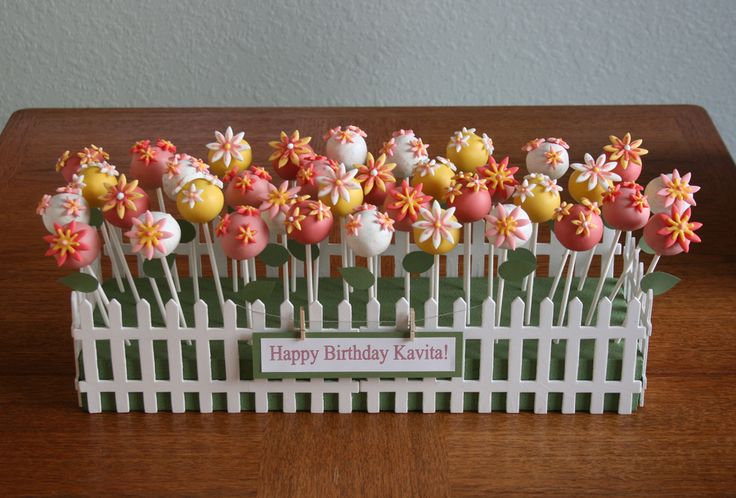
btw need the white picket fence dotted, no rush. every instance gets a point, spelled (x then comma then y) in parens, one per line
(285, 394)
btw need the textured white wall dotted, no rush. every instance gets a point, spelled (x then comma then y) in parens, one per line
(341, 52)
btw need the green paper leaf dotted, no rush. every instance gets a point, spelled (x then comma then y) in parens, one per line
(80, 282)
(95, 218)
(658, 282)
(645, 247)
(522, 255)
(299, 250)
(274, 255)
(417, 262)
(359, 278)
(153, 268)
(188, 232)
(515, 271)
(260, 289)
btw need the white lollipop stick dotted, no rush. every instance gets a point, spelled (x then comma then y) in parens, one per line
(248, 309)
(157, 297)
(558, 277)
(467, 239)
(100, 297)
(407, 275)
(113, 257)
(101, 307)
(100, 290)
(622, 278)
(213, 263)
(345, 262)
(530, 278)
(162, 208)
(252, 264)
(194, 265)
(499, 291)
(588, 262)
(436, 287)
(602, 279)
(117, 251)
(234, 274)
(566, 293)
(316, 275)
(491, 257)
(651, 268)
(172, 290)
(285, 270)
(309, 268)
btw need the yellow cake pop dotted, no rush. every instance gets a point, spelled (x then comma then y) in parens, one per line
(229, 152)
(437, 231)
(435, 176)
(539, 196)
(468, 151)
(97, 178)
(200, 200)
(592, 179)
(339, 190)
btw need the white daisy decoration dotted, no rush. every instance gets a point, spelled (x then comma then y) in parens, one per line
(488, 144)
(596, 171)
(550, 185)
(228, 146)
(337, 183)
(427, 167)
(524, 191)
(192, 195)
(436, 224)
(459, 140)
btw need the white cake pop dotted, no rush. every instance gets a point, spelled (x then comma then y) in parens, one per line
(668, 190)
(548, 157)
(347, 146)
(181, 170)
(154, 234)
(369, 231)
(508, 226)
(406, 150)
(63, 208)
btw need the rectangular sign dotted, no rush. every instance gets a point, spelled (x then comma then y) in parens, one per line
(357, 354)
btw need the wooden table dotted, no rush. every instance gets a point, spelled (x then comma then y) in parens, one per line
(682, 441)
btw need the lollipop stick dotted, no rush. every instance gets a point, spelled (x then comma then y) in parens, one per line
(101, 307)
(491, 256)
(252, 265)
(602, 279)
(316, 275)
(436, 290)
(113, 258)
(213, 263)
(194, 265)
(172, 290)
(566, 293)
(100, 290)
(499, 292)
(407, 275)
(345, 264)
(651, 268)
(157, 297)
(530, 278)
(309, 268)
(558, 277)
(584, 276)
(467, 239)
(285, 271)
(160, 197)
(621, 279)
(234, 276)
(117, 250)
(248, 309)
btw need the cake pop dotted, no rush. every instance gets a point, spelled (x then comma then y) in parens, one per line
(671, 234)
(406, 150)
(68, 165)
(670, 190)
(403, 204)
(243, 234)
(308, 221)
(470, 197)
(96, 178)
(310, 168)
(539, 196)
(436, 176)
(74, 246)
(548, 157)
(339, 190)
(229, 151)
(180, 170)
(499, 178)
(200, 201)
(286, 159)
(592, 179)
(124, 201)
(376, 178)
(62, 208)
(468, 151)
(625, 207)
(627, 155)
(148, 162)
(277, 203)
(347, 146)
(369, 232)
(247, 187)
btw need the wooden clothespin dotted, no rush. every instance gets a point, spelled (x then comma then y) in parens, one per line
(302, 328)
(412, 325)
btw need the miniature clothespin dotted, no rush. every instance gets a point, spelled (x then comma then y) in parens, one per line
(412, 325)
(302, 328)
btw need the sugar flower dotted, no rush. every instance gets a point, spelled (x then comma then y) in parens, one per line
(43, 204)
(625, 150)
(436, 223)
(121, 196)
(596, 172)
(407, 200)
(418, 148)
(353, 223)
(246, 234)
(506, 227)
(375, 172)
(147, 235)
(289, 148)
(524, 191)
(192, 195)
(337, 183)
(498, 176)
(385, 222)
(679, 229)
(228, 146)
(584, 223)
(677, 190)
(279, 199)
(64, 243)
(487, 144)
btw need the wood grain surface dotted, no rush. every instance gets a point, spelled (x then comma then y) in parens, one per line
(681, 442)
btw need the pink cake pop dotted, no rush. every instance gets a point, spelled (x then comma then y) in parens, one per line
(403, 203)
(627, 154)
(123, 202)
(376, 177)
(470, 197)
(499, 178)
(148, 163)
(308, 221)
(311, 167)
(578, 227)
(243, 234)
(68, 165)
(671, 190)
(74, 246)
(369, 232)
(625, 207)
(248, 187)
(670, 234)
(286, 159)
